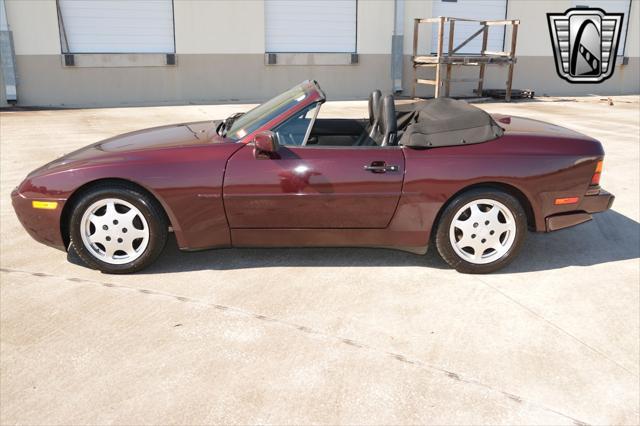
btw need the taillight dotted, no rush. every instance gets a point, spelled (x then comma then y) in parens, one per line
(595, 179)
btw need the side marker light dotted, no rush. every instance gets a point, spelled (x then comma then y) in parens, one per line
(46, 205)
(568, 200)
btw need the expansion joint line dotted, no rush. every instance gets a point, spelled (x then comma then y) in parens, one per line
(311, 331)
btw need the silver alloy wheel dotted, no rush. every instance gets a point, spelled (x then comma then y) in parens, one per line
(114, 231)
(482, 231)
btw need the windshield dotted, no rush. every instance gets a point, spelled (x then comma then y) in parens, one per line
(252, 120)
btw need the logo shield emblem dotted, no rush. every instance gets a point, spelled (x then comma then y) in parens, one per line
(585, 43)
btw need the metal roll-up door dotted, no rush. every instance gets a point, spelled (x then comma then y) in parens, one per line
(312, 26)
(116, 26)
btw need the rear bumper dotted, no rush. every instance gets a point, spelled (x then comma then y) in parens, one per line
(590, 204)
(42, 225)
(597, 203)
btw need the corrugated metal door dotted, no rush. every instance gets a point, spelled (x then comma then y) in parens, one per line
(117, 26)
(611, 6)
(310, 26)
(470, 9)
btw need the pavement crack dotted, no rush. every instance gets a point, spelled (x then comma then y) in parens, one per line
(311, 331)
(557, 327)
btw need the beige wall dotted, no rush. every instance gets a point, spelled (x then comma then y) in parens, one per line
(35, 26)
(199, 78)
(220, 49)
(219, 26)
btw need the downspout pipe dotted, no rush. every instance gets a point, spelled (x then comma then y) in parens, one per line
(7, 58)
(397, 45)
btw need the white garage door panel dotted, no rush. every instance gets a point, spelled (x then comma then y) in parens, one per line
(470, 9)
(611, 6)
(116, 26)
(310, 26)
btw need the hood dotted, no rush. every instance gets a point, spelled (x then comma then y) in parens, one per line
(521, 125)
(171, 136)
(161, 137)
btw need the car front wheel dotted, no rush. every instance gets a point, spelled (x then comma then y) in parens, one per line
(481, 231)
(118, 229)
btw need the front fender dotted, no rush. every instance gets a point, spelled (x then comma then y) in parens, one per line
(186, 181)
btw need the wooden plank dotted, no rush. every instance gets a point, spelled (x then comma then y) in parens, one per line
(414, 82)
(490, 53)
(435, 20)
(431, 20)
(416, 26)
(451, 18)
(514, 38)
(485, 37)
(462, 59)
(424, 81)
(439, 54)
(425, 59)
(464, 80)
(452, 26)
(504, 22)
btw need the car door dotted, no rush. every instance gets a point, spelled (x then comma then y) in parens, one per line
(314, 187)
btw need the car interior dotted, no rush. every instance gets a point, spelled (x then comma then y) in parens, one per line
(380, 129)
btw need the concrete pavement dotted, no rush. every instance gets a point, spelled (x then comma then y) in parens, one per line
(329, 336)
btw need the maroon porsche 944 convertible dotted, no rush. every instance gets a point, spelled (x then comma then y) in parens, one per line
(436, 171)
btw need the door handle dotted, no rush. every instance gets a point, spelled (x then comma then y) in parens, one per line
(380, 167)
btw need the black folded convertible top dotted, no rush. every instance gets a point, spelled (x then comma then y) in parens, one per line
(445, 122)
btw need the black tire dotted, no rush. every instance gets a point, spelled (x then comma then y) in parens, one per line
(148, 206)
(443, 242)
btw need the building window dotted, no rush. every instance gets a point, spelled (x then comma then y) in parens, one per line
(310, 26)
(470, 9)
(116, 26)
(611, 6)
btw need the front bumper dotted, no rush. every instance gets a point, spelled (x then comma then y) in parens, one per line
(589, 205)
(43, 225)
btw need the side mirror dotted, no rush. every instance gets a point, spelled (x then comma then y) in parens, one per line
(266, 144)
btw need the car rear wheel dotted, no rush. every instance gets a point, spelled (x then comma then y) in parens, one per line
(118, 229)
(481, 231)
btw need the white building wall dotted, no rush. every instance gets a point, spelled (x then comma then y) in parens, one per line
(237, 27)
(375, 26)
(633, 34)
(533, 33)
(231, 27)
(35, 26)
(220, 48)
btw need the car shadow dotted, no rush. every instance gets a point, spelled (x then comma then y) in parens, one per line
(610, 237)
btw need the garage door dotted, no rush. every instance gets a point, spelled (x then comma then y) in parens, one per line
(117, 26)
(470, 9)
(611, 6)
(310, 26)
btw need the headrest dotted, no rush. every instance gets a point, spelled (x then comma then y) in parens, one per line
(388, 123)
(374, 106)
